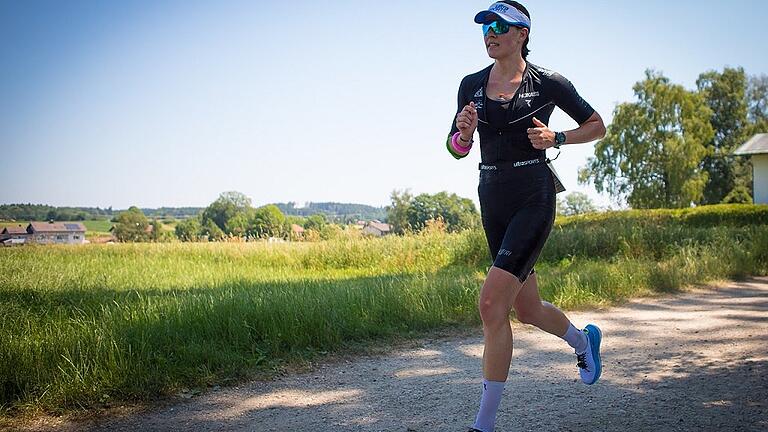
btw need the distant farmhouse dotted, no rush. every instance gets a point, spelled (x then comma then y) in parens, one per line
(44, 233)
(297, 231)
(376, 228)
(13, 235)
(757, 149)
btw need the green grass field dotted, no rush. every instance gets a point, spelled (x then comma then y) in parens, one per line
(100, 226)
(85, 325)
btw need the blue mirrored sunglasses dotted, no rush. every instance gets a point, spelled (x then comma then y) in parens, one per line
(498, 27)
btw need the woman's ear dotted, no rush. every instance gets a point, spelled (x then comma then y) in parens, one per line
(524, 33)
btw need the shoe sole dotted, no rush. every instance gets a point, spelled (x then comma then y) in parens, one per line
(595, 337)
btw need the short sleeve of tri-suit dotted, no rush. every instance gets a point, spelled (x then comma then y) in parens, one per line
(566, 97)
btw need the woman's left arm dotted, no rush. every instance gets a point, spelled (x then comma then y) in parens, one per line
(590, 130)
(566, 97)
(542, 137)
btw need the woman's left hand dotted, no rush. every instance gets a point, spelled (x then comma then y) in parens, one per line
(541, 136)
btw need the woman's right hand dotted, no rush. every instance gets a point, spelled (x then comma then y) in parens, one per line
(466, 121)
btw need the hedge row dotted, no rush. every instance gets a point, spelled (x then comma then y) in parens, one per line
(733, 215)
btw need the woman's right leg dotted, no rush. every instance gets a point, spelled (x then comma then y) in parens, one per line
(496, 299)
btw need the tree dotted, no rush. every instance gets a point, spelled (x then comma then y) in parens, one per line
(315, 222)
(725, 94)
(457, 213)
(397, 212)
(757, 103)
(131, 226)
(212, 231)
(575, 203)
(268, 221)
(189, 229)
(238, 224)
(297, 220)
(156, 231)
(224, 208)
(652, 152)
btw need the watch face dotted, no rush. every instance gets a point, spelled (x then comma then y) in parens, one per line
(560, 137)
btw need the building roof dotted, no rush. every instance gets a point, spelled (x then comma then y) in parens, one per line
(758, 144)
(18, 229)
(380, 226)
(57, 227)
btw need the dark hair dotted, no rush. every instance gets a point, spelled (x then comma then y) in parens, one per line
(525, 12)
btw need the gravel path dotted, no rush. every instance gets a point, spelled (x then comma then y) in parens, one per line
(695, 361)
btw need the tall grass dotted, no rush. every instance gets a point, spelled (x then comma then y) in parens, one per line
(84, 325)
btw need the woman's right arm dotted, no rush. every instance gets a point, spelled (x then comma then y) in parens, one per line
(459, 140)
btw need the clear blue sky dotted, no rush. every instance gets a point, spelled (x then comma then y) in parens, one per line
(169, 103)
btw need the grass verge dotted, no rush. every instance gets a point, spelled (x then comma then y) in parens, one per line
(88, 326)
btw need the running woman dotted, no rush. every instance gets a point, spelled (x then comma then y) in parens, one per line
(509, 103)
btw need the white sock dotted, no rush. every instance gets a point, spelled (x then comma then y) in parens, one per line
(576, 339)
(486, 416)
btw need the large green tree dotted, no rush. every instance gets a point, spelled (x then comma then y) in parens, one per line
(316, 222)
(397, 212)
(757, 103)
(156, 232)
(239, 224)
(189, 229)
(652, 152)
(227, 206)
(457, 213)
(131, 226)
(725, 94)
(211, 231)
(268, 221)
(575, 203)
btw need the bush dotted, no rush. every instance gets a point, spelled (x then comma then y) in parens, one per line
(702, 217)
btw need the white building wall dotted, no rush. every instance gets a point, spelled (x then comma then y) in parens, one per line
(59, 238)
(760, 176)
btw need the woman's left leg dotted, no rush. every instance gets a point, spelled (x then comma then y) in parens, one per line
(530, 309)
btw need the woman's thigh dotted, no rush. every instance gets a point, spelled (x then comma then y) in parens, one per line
(498, 294)
(524, 239)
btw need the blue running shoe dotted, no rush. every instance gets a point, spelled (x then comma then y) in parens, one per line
(589, 362)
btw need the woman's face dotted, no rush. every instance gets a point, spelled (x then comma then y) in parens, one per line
(507, 44)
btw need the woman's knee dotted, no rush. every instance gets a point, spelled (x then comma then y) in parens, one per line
(492, 314)
(497, 296)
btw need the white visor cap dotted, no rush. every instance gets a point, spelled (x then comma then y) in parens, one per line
(506, 13)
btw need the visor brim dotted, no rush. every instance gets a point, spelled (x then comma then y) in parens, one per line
(486, 17)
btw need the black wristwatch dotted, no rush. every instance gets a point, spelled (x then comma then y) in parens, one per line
(559, 139)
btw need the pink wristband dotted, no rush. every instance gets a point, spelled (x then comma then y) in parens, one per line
(457, 147)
